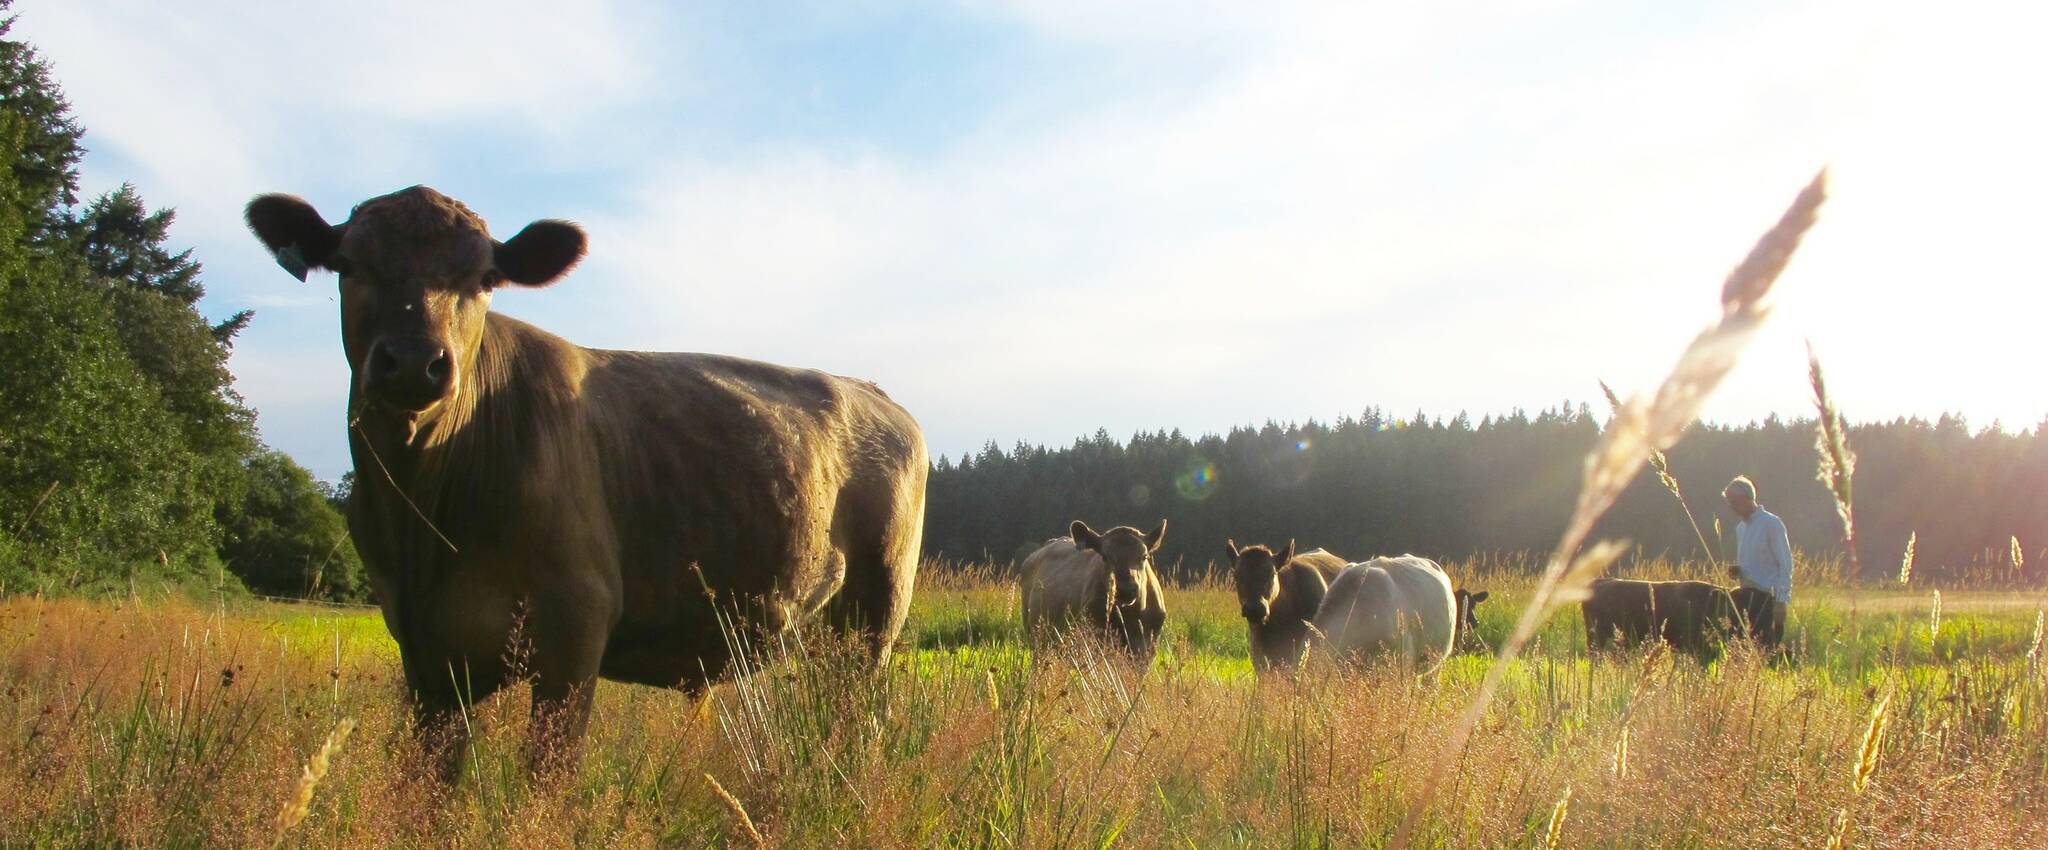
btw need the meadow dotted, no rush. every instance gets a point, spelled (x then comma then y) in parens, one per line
(168, 722)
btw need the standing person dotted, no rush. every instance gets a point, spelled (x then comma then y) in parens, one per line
(1763, 559)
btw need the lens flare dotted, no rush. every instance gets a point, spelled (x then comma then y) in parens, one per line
(1197, 481)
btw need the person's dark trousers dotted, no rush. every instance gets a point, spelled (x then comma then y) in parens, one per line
(1764, 613)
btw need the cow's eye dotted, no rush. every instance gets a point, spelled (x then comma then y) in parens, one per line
(492, 278)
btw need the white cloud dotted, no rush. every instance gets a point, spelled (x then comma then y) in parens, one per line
(1352, 214)
(1440, 207)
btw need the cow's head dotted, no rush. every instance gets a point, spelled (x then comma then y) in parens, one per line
(1255, 570)
(417, 272)
(1468, 619)
(1127, 552)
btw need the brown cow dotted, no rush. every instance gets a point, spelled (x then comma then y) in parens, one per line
(1102, 581)
(616, 505)
(1689, 615)
(1278, 593)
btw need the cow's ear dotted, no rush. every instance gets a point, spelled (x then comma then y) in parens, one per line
(294, 232)
(1085, 537)
(1230, 545)
(541, 252)
(1479, 597)
(1285, 555)
(1158, 535)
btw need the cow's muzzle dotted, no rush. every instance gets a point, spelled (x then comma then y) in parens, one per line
(409, 373)
(1255, 612)
(1126, 594)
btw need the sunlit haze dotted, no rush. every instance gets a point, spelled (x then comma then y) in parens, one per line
(1030, 220)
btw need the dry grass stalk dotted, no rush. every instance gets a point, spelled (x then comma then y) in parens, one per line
(739, 812)
(1557, 812)
(1906, 565)
(1838, 835)
(2034, 651)
(301, 801)
(1662, 466)
(354, 424)
(1934, 619)
(1873, 739)
(1639, 426)
(1621, 755)
(1866, 766)
(2019, 558)
(1837, 468)
(1588, 566)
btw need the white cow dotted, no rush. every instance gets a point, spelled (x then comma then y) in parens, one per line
(1399, 607)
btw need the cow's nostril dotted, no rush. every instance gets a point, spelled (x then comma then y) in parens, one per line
(437, 368)
(381, 362)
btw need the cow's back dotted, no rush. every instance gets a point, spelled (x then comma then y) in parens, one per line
(1693, 613)
(1403, 605)
(1685, 614)
(1062, 583)
(1323, 562)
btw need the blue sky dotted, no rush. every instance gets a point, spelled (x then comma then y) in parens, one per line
(1028, 220)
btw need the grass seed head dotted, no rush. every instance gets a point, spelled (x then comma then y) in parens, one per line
(1621, 755)
(2034, 651)
(1557, 812)
(1873, 739)
(1906, 564)
(301, 801)
(1838, 834)
(739, 812)
(1934, 619)
(1837, 463)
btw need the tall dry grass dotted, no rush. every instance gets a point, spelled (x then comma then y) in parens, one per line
(169, 724)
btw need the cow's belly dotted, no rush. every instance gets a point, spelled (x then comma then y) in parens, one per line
(677, 659)
(670, 635)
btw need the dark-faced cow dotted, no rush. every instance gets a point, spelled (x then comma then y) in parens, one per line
(616, 505)
(1467, 639)
(1688, 615)
(1102, 582)
(1278, 593)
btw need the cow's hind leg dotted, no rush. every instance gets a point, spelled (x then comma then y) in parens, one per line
(878, 527)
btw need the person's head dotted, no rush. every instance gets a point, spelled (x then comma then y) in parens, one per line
(1741, 496)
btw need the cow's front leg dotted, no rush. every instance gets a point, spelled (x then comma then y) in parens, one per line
(564, 685)
(442, 706)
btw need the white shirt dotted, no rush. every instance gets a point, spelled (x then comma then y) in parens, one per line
(1763, 552)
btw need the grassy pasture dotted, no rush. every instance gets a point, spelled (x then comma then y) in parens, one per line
(171, 723)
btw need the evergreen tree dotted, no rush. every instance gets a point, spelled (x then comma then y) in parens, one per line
(45, 143)
(123, 447)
